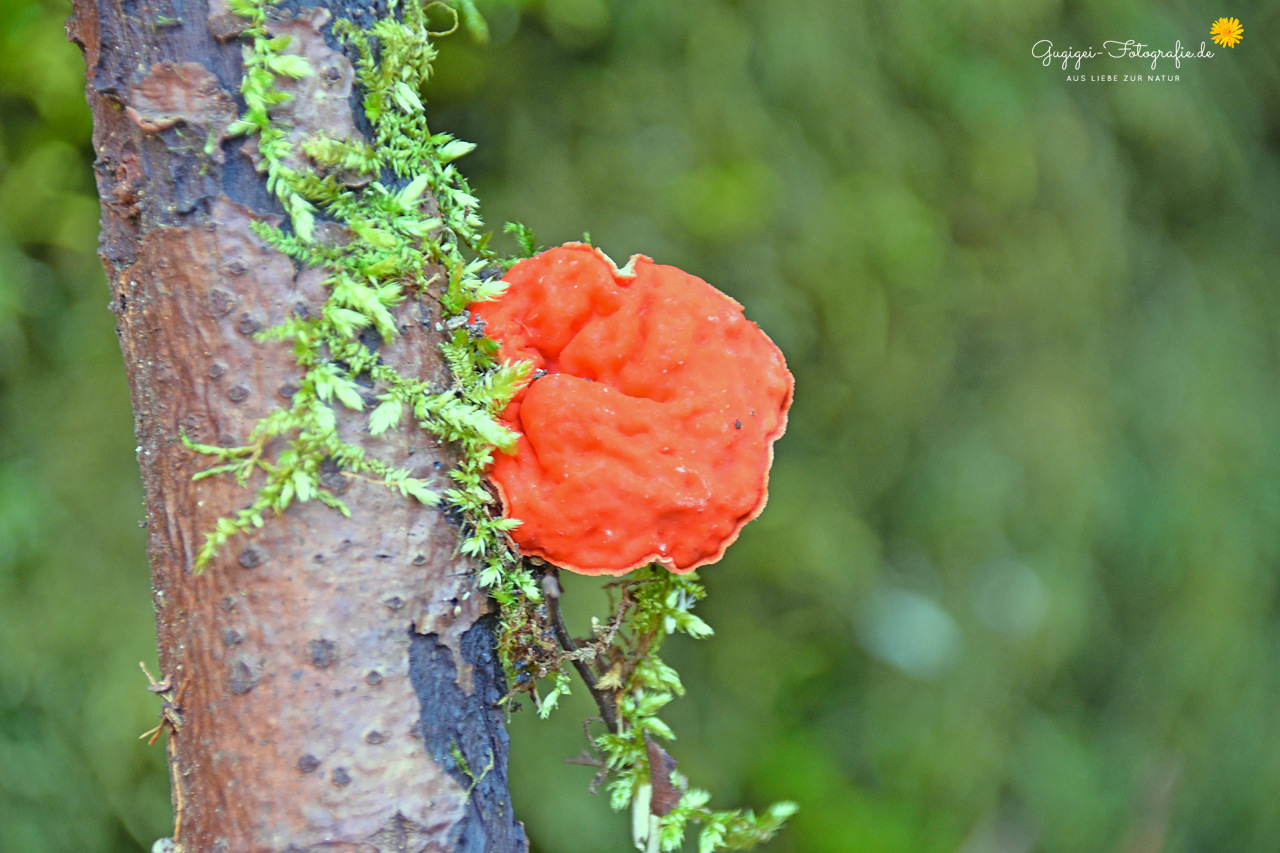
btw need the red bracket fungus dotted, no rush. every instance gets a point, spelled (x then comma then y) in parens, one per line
(648, 432)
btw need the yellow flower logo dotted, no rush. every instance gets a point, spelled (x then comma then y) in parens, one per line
(1227, 31)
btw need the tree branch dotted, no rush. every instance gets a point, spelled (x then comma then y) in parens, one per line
(604, 701)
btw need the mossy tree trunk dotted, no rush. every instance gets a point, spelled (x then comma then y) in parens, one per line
(331, 680)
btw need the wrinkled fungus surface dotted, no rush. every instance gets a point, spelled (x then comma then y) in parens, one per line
(650, 435)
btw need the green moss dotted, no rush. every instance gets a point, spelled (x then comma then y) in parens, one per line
(398, 239)
(397, 244)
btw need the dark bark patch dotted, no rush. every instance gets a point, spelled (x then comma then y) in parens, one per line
(193, 426)
(456, 723)
(129, 181)
(183, 93)
(403, 834)
(224, 24)
(243, 676)
(322, 653)
(308, 762)
(220, 302)
(332, 478)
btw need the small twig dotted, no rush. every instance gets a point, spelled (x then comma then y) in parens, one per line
(610, 631)
(586, 732)
(353, 475)
(170, 710)
(586, 759)
(170, 716)
(591, 759)
(626, 601)
(608, 709)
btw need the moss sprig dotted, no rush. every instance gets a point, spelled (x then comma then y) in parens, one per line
(631, 685)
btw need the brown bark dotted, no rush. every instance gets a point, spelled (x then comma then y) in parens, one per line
(326, 673)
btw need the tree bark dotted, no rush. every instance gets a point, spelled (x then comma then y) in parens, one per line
(331, 681)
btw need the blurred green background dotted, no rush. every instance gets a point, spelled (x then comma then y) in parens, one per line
(1016, 586)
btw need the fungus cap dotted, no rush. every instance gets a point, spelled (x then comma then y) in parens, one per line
(650, 434)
